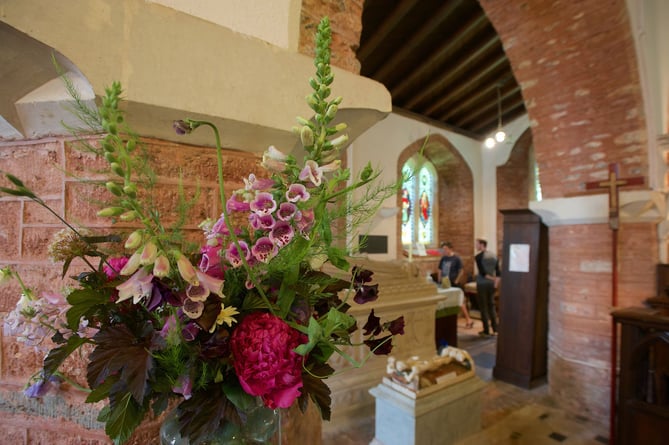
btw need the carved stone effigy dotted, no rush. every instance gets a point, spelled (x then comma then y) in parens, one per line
(435, 401)
(401, 292)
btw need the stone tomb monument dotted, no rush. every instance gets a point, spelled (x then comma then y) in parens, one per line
(428, 402)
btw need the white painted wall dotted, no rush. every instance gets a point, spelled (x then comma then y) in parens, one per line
(274, 21)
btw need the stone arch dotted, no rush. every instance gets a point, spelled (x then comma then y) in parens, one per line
(455, 194)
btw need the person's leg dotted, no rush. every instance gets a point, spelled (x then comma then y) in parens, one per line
(465, 312)
(481, 298)
(492, 311)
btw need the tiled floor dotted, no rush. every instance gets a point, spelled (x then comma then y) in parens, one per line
(511, 415)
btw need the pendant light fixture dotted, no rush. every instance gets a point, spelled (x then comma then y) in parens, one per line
(500, 135)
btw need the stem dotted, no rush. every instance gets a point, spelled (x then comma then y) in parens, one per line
(71, 382)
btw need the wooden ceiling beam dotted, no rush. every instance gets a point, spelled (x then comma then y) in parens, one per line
(400, 55)
(445, 50)
(469, 84)
(385, 29)
(458, 68)
(480, 109)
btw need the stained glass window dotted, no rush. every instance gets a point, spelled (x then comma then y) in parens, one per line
(418, 202)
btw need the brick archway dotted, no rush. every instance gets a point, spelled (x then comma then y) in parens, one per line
(455, 192)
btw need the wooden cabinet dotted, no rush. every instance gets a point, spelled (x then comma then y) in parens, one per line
(643, 384)
(523, 301)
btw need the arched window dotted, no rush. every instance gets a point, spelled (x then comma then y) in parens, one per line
(419, 202)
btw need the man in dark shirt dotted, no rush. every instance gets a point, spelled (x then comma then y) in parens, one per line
(450, 266)
(486, 281)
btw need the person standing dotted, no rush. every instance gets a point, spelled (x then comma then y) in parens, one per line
(486, 281)
(450, 265)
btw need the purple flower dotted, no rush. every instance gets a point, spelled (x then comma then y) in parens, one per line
(253, 183)
(396, 327)
(261, 222)
(210, 263)
(233, 256)
(297, 192)
(234, 204)
(183, 386)
(305, 220)
(380, 346)
(220, 228)
(281, 234)
(264, 249)
(263, 204)
(286, 212)
(41, 387)
(366, 293)
(136, 287)
(181, 127)
(192, 308)
(361, 275)
(311, 173)
(190, 331)
(373, 325)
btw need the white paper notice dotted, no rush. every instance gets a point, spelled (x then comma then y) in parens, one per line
(519, 258)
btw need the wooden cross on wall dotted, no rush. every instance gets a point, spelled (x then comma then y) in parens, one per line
(612, 184)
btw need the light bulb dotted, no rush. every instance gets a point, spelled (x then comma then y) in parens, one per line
(500, 136)
(489, 143)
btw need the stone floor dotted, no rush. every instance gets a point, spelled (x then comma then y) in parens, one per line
(511, 415)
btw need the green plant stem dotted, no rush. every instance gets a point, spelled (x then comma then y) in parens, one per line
(226, 217)
(71, 382)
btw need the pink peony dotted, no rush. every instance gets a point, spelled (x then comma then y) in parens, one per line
(266, 365)
(114, 265)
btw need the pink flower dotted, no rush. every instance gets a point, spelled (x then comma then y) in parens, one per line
(262, 349)
(137, 287)
(297, 192)
(264, 249)
(233, 255)
(263, 204)
(114, 266)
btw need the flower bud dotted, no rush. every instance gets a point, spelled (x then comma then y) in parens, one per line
(339, 141)
(116, 168)
(161, 268)
(186, 269)
(5, 275)
(114, 188)
(128, 216)
(130, 190)
(314, 83)
(132, 265)
(149, 254)
(312, 101)
(107, 146)
(331, 111)
(341, 126)
(110, 156)
(134, 240)
(307, 136)
(111, 211)
(130, 145)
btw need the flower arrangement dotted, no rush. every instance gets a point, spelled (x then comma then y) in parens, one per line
(245, 314)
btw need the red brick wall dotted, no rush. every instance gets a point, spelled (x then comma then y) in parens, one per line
(25, 232)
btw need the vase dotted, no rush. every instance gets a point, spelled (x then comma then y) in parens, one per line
(262, 425)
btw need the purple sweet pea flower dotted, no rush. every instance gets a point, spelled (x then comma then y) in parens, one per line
(263, 204)
(366, 293)
(297, 192)
(286, 212)
(373, 325)
(233, 256)
(41, 387)
(380, 346)
(264, 249)
(396, 327)
(361, 275)
(281, 234)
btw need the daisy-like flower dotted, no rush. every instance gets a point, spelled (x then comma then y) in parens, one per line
(225, 316)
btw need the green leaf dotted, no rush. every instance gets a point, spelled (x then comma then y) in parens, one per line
(234, 392)
(319, 392)
(82, 301)
(103, 390)
(315, 333)
(57, 356)
(200, 415)
(336, 257)
(120, 350)
(125, 415)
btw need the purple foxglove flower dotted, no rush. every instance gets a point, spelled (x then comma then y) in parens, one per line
(155, 300)
(261, 222)
(170, 323)
(286, 212)
(263, 204)
(380, 346)
(373, 325)
(361, 275)
(281, 234)
(297, 192)
(210, 263)
(220, 228)
(253, 183)
(183, 386)
(396, 327)
(366, 293)
(233, 256)
(138, 286)
(193, 309)
(264, 249)
(274, 160)
(235, 204)
(311, 173)
(190, 331)
(305, 221)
